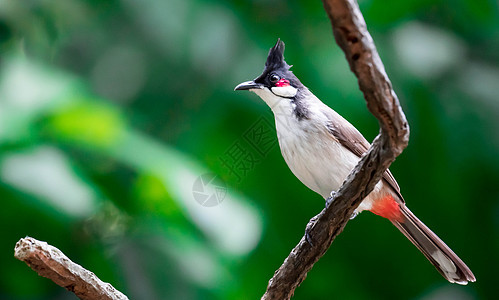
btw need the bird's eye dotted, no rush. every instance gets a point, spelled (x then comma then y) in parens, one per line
(274, 78)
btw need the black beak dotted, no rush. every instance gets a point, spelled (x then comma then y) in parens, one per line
(248, 85)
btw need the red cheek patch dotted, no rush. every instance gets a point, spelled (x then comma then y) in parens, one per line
(282, 82)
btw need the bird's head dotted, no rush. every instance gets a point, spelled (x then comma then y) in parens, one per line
(276, 81)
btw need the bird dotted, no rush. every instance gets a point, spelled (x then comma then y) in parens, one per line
(321, 148)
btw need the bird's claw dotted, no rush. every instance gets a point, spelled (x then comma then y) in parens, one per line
(308, 238)
(330, 199)
(308, 233)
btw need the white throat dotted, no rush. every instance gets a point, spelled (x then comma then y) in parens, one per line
(278, 99)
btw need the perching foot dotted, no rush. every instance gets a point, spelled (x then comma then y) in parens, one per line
(330, 199)
(308, 233)
(308, 237)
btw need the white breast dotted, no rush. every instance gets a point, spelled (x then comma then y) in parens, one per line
(316, 158)
(320, 162)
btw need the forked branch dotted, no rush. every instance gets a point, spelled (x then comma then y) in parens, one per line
(351, 34)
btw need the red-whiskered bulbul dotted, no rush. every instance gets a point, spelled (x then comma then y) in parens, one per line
(321, 148)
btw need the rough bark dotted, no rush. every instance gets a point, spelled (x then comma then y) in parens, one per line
(351, 34)
(50, 262)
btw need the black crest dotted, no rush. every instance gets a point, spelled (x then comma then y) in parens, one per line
(277, 65)
(275, 60)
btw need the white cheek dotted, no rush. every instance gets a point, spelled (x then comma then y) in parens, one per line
(285, 91)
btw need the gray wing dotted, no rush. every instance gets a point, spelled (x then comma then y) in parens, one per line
(350, 138)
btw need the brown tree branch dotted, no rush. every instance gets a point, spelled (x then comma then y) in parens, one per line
(50, 262)
(351, 34)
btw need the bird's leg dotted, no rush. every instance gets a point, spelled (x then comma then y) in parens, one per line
(308, 238)
(330, 199)
(308, 234)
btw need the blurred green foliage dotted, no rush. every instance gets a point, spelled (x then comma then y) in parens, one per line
(111, 110)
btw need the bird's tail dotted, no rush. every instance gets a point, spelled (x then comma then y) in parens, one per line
(435, 250)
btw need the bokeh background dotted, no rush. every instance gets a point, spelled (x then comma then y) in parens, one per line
(115, 116)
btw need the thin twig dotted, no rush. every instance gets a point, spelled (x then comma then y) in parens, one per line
(351, 34)
(50, 262)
